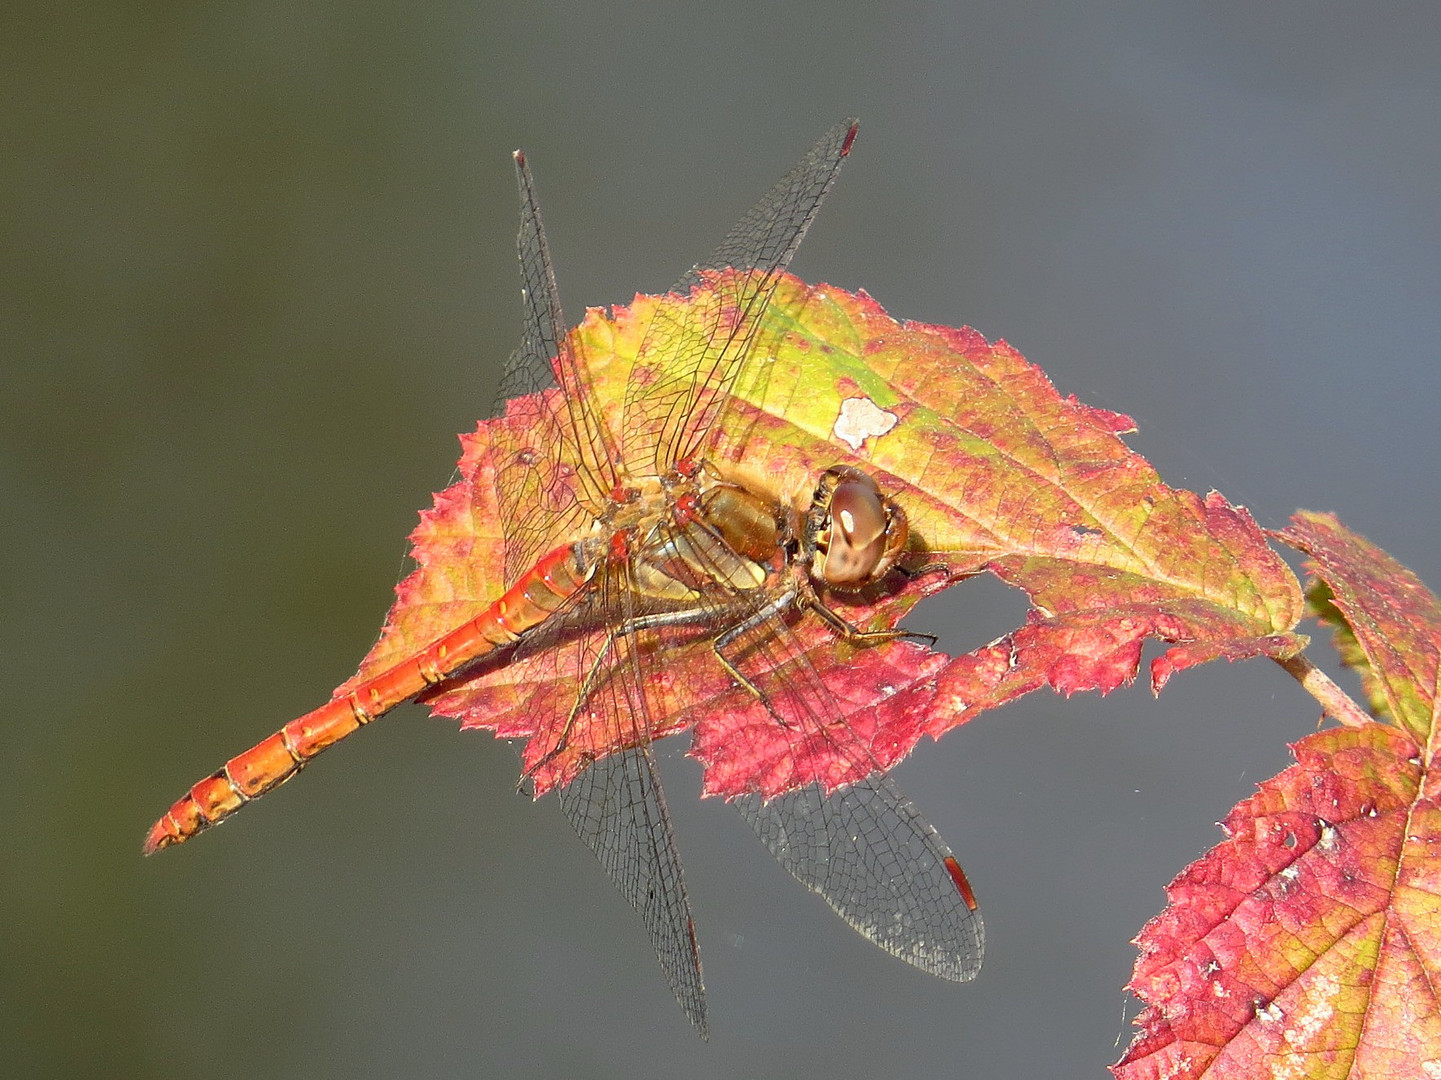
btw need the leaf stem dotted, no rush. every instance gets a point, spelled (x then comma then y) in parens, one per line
(1337, 704)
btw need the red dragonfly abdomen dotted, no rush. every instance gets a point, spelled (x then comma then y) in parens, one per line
(529, 602)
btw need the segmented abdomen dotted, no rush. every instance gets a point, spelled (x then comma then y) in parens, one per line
(529, 602)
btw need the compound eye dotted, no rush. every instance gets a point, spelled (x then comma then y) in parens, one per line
(858, 527)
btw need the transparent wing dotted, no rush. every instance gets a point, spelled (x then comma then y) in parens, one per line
(562, 473)
(863, 846)
(689, 361)
(881, 867)
(594, 723)
(558, 480)
(618, 809)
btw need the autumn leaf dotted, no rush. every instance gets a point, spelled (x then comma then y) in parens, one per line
(997, 473)
(1308, 943)
(1386, 620)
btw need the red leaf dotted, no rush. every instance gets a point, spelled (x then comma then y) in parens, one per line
(1308, 943)
(996, 472)
(1380, 608)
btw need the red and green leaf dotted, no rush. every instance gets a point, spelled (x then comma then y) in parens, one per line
(1308, 943)
(996, 471)
(1387, 623)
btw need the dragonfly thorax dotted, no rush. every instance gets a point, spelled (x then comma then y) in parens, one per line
(751, 526)
(853, 534)
(699, 531)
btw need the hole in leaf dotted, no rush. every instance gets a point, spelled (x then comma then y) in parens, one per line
(971, 614)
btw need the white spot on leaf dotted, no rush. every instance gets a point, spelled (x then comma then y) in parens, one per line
(860, 419)
(1320, 1007)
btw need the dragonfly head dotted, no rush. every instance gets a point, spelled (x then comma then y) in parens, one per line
(853, 534)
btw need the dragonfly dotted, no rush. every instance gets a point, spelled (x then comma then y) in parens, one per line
(663, 550)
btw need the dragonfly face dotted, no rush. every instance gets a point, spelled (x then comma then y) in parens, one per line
(853, 534)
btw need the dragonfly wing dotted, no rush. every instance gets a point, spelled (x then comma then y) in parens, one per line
(881, 867)
(529, 369)
(767, 237)
(702, 348)
(618, 809)
(863, 845)
(587, 705)
(562, 474)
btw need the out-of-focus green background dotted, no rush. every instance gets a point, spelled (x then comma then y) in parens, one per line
(256, 270)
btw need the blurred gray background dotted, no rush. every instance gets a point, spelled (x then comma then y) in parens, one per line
(256, 271)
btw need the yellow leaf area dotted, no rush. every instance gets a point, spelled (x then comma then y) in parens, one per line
(995, 470)
(1308, 943)
(998, 472)
(1388, 621)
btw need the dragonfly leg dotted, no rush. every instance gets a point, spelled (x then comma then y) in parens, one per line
(794, 598)
(587, 686)
(853, 633)
(735, 673)
(593, 676)
(929, 568)
(727, 638)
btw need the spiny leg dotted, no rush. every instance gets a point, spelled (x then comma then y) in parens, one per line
(847, 630)
(750, 622)
(854, 634)
(595, 673)
(587, 687)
